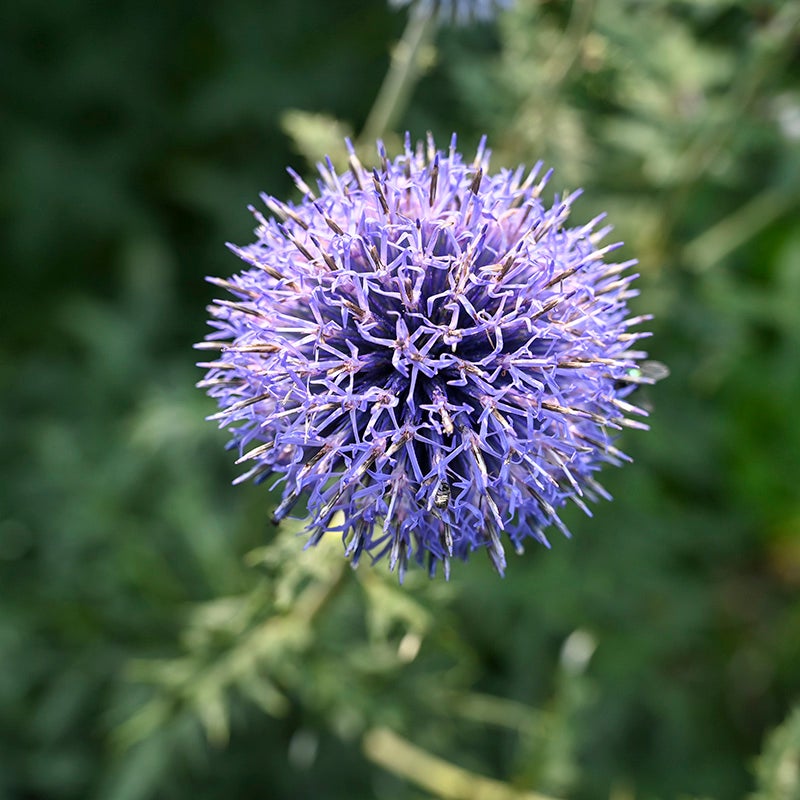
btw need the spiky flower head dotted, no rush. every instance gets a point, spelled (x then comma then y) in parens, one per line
(459, 11)
(427, 355)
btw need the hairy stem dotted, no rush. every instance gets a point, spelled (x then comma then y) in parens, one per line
(405, 68)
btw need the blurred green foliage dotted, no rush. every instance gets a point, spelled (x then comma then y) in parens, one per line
(159, 639)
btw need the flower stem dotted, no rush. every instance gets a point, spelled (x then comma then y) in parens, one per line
(405, 68)
(721, 239)
(437, 776)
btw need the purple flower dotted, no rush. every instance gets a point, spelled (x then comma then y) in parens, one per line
(460, 11)
(427, 355)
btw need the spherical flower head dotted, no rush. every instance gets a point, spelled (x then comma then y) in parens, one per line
(458, 11)
(427, 356)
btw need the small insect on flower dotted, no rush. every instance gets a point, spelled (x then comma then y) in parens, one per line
(646, 373)
(442, 496)
(427, 356)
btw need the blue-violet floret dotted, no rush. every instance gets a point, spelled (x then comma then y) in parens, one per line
(458, 11)
(426, 355)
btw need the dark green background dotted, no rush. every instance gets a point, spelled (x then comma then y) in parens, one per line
(133, 137)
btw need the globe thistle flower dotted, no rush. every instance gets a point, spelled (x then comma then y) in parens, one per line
(427, 355)
(459, 11)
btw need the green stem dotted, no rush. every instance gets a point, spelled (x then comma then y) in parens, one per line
(715, 243)
(444, 780)
(569, 49)
(405, 68)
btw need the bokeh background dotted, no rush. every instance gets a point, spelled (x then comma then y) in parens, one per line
(160, 639)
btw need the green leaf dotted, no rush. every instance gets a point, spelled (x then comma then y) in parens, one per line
(778, 767)
(317, 135)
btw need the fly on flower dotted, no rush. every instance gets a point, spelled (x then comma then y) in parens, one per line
(646, 373)
(426, 356)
